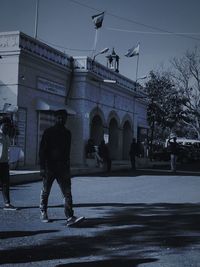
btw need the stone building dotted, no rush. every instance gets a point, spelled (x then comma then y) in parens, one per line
(36, 80)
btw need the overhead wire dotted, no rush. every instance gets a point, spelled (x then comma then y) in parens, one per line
(185, 35)
(147, 32)
(65, 48)
(158, 30)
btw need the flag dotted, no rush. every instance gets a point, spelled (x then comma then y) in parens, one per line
(98, 20)
(134, 51)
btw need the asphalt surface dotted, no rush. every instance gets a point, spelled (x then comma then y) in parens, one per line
(142, 218)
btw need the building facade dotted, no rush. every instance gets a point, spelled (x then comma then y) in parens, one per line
(36, 80)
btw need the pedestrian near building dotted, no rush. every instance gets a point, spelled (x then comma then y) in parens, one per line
(146, 148)
(140, 149)
(91, 152)
(5, 126)
(174, 150)
(54, 155)
(133, 153)
(104, 153)
(90, 149)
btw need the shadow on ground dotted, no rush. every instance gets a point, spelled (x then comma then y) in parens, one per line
(13, 234)
(109, 263)
(186, 169)
(140, 172)
(123, 231)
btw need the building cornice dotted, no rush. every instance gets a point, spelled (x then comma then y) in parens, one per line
(17, 41)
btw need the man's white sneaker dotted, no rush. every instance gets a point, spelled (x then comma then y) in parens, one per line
(44, 217)
(74, 220)
(9, 207)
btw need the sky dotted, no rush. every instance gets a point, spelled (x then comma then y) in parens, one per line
(164, 28)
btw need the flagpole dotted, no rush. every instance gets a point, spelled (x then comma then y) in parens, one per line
(36, 18)
(135, 110)
(98, 20)
(95, 43)
(137, 68)
(134, 51)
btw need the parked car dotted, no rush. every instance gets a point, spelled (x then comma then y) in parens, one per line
(187, 153)
(185, 142)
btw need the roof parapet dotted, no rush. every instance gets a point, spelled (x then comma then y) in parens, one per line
(16, 41)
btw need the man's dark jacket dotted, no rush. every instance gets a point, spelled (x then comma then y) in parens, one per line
(55, 147)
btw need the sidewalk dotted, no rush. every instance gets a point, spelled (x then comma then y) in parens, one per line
(27, 176)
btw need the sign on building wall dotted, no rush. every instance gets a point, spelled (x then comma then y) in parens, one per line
(51, 87)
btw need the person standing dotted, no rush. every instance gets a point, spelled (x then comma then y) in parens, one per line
(104, 153)
(146, 148)
(54, 155)
(133, 153)
(91, 152)
(5, 126)
(174, 149)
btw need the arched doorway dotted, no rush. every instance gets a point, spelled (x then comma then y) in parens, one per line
(127, 138)
(113, 138)
(96, 129)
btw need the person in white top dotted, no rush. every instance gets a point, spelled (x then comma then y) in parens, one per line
(5, 125)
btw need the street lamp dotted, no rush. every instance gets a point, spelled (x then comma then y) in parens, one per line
(103, 51)
(140, 78)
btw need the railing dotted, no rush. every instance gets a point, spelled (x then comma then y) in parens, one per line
(43, 50)
(13, 41)
(87, 64)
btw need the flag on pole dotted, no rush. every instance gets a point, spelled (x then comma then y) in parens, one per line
(134, 51)
(98, 20)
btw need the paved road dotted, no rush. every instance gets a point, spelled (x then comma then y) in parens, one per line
(141, 219)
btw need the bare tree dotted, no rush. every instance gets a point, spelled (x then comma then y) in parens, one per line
(186, 76)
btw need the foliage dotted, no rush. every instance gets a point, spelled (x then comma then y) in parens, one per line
(165, 104)
(186, 76)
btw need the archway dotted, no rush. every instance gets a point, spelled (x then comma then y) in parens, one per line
(113, 138)
(96, 129)
(127, 138)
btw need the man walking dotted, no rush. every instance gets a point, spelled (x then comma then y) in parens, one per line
(174, 149)
(132, 153)
(5, 126)
(104, 153)
(54, 154)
